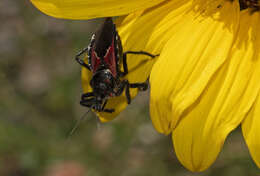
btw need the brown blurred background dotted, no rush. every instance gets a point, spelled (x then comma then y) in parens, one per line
(40, 89)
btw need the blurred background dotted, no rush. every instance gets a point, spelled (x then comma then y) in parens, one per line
(40, 89)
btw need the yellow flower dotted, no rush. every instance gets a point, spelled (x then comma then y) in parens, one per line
(206, 81)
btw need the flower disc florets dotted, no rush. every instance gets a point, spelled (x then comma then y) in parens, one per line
(253, 4)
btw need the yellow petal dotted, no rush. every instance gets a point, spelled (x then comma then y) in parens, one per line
(196, 50)
(223, 105)
(250, 128)
(147, 31)
(150, 29)
(87, 9)
(250, 27)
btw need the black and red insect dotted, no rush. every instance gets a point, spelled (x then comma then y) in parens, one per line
(105, 54)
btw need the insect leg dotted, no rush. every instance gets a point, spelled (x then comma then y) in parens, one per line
(86, 99)
(107, 110)
(88, 102)
(103, 106)
(141, 53)
(124, 65)
(141, 86)
(89, 94)
(133, 52)
(80, 61)
(125, 85)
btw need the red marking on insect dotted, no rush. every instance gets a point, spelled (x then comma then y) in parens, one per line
(110, 59)
(105, 53)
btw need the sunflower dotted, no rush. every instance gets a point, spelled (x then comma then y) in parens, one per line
(206, 81)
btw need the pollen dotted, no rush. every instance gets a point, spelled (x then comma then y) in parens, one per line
(253, 4)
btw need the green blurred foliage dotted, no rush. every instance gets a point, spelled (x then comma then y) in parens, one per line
(40, 90)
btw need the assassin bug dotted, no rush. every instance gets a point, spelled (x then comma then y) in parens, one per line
(105, 54)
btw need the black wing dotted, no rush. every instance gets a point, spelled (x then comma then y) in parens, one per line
(104, 37)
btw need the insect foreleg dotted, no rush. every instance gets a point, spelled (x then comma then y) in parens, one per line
(85, 95)
(107, 110)
(87, 99)
(88, 102)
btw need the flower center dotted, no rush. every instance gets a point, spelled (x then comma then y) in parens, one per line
(253, 4)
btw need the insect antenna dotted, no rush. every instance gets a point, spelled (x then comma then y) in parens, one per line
(98, 122)
(78, 123)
